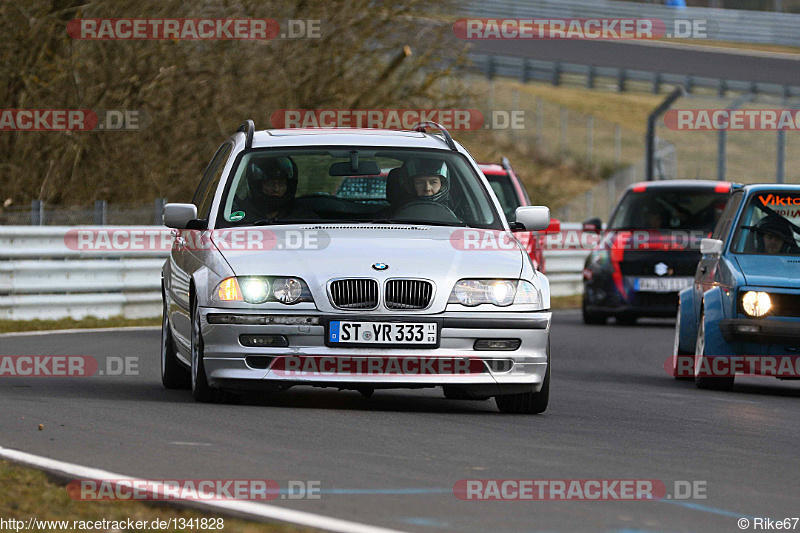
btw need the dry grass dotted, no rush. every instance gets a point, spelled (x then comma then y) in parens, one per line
(27, 493)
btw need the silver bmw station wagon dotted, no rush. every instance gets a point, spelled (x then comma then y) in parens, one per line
(359, 259)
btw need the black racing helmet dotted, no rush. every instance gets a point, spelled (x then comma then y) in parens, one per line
(776, 226)
(273, 168)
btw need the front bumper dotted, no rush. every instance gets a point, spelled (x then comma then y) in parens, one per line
(229, 364)
(602, 295)
(760, 331)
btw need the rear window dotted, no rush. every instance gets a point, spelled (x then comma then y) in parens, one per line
(769, 224)
(673, 208)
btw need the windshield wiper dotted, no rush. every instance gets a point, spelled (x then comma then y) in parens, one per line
(433, 223)
(279, 221)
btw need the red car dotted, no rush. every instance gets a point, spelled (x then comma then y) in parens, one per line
(512, 194)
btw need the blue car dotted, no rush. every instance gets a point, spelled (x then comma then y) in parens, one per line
(742, 314)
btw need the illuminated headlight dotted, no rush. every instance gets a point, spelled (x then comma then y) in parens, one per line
(756, 304)
(499, 292)
(287, 290)
(258, 290)
(255, 290)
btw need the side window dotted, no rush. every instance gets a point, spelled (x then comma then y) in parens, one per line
(725, 221)
(204, 196)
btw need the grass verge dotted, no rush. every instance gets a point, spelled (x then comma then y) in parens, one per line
(566, 302)
(13, 326)
(27, 493)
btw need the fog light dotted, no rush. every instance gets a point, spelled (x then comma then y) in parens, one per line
(497, 344)
(264, 341)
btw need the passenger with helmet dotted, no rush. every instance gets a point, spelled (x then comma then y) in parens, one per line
(271, 185)
(774, 235)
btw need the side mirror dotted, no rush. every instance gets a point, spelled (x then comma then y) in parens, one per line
(554, 227)
(711, 248)
(178, 216)
(533, 218)
(594, 225)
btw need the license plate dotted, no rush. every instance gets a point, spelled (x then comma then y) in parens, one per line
(394, 333)
(662, 284)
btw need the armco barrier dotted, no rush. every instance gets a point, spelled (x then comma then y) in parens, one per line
(42, 277)
(725, 24)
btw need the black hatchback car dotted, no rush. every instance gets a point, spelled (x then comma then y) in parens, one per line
(650, 249)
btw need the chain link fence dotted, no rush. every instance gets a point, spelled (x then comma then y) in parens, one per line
(40, 214)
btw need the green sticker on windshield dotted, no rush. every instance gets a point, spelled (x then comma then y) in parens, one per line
(236, 216)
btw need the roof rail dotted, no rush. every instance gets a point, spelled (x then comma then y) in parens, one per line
(420, 126)
(248, 127)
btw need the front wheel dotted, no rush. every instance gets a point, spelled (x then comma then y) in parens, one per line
(701, 362)
(527, 403)
(200, 389)
(592, 317)
(682, 361)
(173, 374)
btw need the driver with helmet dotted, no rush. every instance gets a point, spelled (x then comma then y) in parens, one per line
(428, 183)
(774, 236)
(272, 184)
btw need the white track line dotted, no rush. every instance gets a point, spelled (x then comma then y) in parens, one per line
(86, 330)
(259, 510)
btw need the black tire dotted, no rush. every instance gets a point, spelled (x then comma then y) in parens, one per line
(173, 374)
(681, 359)
(626, 320)
(457, 393)
(707, 382)
(593, 318)
(200, 389)
(527, 403)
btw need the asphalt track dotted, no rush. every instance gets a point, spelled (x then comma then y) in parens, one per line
(668, 58)
(392, 461)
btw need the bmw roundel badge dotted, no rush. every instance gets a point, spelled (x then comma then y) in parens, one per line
(380, 266)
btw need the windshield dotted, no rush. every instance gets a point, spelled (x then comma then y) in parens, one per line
(368, 185)
(505, 193)
(769, 224)
(669, 209)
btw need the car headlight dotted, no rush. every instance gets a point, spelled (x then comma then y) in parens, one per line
(258, 290)
(599, 260)
(498, 292)
(756, 304)
(255, 290)
(287, 290)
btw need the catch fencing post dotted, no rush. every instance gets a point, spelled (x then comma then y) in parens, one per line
(158, 214)
(100, 212)
(37, 213)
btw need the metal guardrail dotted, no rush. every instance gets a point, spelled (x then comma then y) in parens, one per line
(557, 72)
(41, 277)
(763, 27)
